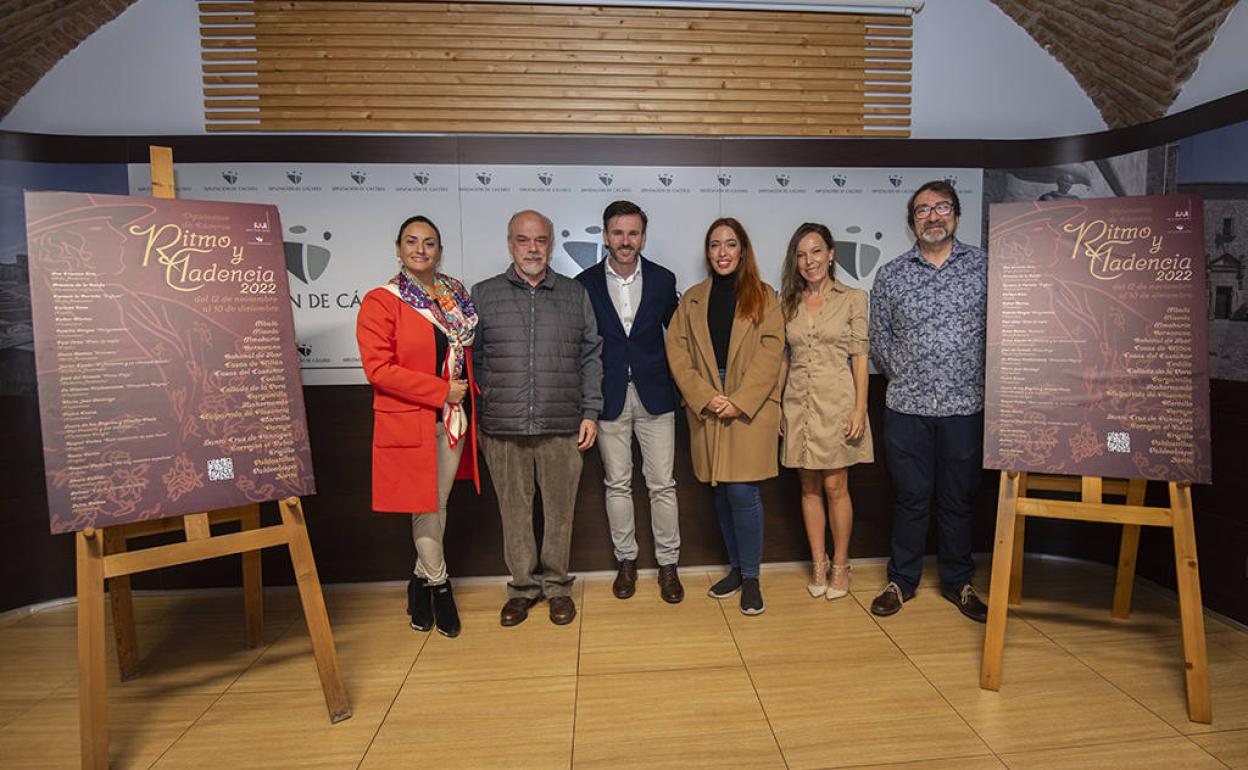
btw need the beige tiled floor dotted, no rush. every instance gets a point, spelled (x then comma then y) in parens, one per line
(692, 718)
(639, 683)
(479, 723)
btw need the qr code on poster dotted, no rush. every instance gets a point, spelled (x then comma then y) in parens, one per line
(220, 469)
(1118, 441)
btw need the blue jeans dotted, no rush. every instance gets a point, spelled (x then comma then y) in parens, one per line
(740, 509)
(928, 457)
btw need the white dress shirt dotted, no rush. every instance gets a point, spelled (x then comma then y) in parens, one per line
(625, 294)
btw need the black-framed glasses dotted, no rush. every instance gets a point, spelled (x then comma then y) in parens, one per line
(944, 208)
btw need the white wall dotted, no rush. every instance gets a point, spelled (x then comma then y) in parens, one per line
(976, 75)
(1223, 68)
(138, 74)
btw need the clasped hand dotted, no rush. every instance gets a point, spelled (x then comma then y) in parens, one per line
(722, 407)
(459, 389)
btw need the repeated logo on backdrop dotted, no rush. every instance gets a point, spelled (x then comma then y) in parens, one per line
(341, 221)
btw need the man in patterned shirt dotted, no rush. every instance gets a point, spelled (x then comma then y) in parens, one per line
(927, 336)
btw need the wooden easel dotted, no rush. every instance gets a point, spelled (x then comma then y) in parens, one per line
(1013, 506)
(116, 540)
(102, 555)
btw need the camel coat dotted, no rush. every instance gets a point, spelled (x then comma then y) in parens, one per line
(741, 448)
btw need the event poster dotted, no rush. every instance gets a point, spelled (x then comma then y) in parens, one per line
(1097, 353)
(165, 353)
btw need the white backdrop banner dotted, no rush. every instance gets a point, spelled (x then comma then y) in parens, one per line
(341, 220)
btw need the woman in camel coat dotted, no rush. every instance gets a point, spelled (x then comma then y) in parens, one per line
(724, 347)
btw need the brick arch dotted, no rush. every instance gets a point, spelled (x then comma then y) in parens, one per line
(36, 35)
(1131, 57)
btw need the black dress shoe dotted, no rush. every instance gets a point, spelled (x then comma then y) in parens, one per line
(419, 604)
(562, 610)
(445, 615)
(888, 601)
(968, 602)
(625, 584)
(517, 609)
(669, 584)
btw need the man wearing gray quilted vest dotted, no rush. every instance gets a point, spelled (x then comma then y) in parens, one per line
(537, 359)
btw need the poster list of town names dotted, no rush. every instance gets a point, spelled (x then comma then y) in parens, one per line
(165, 350)
(1098, 339)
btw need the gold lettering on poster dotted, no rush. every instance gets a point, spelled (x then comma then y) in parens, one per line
(1097, 240)
(255, 378)
(175, 247)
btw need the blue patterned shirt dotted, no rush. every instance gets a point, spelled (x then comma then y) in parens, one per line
(927, 331)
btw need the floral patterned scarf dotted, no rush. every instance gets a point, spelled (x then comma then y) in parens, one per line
(450, 308)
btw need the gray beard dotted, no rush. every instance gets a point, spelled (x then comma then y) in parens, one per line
(529, 272)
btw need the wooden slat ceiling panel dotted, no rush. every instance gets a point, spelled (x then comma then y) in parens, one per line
(332, 65)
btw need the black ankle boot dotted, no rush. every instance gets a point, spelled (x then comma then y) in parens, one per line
(444, 611)
(419, 604)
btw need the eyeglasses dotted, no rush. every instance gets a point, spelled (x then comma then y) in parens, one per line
(944, 208)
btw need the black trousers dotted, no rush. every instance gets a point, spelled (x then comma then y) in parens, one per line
(930, 458)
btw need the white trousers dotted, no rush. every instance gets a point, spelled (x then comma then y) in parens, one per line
(656, 435)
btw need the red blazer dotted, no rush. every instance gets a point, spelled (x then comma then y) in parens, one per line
(397, 350)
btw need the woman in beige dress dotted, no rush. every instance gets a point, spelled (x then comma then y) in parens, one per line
(825, 397)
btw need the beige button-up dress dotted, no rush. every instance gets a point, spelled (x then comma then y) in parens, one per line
(819, 393)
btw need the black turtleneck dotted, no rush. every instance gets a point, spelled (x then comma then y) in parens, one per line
(720, 311)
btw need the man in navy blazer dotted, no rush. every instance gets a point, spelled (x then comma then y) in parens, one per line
(634, 299)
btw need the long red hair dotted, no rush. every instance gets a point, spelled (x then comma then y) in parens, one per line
(751, 296)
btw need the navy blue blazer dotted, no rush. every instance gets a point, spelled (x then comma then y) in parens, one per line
(642, 351)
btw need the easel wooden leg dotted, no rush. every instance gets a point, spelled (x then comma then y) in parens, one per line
(253, 584)
(121, 601)
(92, 697)
(1016, 562)
(999, 590)
(314, 610)
(1125, 582)
(1128, 550)
(1191, 613)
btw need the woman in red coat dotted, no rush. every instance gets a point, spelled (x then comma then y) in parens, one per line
(415, 335)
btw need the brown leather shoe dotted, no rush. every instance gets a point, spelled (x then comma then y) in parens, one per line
(968, 602)
(516, 610)
(625, 584)
(562, 610)
(888, 601)
(669, 584)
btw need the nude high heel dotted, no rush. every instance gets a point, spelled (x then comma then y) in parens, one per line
(818, 584)
(839, 585)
